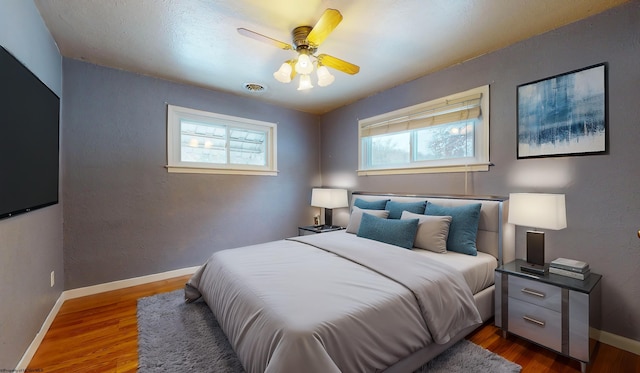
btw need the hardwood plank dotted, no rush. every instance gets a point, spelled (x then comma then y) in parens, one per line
(536, 359)
(99, 333)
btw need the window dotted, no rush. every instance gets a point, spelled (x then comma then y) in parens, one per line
(450, 134)
(203, 142)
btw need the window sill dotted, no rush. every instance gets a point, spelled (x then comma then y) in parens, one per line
(219, 171)
(426, 170)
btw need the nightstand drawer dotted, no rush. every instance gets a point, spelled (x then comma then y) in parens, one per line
(536, 293)
(538, 324)
(553, 311)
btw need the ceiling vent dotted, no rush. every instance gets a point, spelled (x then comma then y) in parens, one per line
(254, 87)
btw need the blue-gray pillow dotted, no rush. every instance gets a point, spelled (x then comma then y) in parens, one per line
(395, 232)
(395, 208)
(464, 225)
(370, 205)
(356, 218)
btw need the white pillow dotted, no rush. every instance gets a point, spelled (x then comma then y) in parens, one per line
(432, 231)
(356, 217)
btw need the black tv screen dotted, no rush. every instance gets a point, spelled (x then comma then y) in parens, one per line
(29, 138)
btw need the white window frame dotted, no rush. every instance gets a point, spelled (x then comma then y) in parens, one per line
(480, 162)
(175, 114)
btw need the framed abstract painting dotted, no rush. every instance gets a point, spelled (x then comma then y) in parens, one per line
(564, 115)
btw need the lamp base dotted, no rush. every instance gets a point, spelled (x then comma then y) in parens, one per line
(326, 227)
(534, 269)
(328, 216)
(535, 247)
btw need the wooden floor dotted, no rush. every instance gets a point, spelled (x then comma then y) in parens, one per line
(98, 333)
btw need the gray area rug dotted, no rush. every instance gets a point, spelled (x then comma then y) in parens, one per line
(178, 337)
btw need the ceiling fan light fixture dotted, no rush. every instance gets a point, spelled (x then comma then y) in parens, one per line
(324, 76)
(305, 82)
(283, 74)
(304, 65)
(306, 40)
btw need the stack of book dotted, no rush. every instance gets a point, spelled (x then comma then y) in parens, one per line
(569, 268)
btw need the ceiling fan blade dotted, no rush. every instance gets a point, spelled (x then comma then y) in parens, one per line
(327, 22)
(338, 64)
(264, 39)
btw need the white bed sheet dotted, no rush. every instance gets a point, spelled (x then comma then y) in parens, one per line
(331, 302)
(477, 270)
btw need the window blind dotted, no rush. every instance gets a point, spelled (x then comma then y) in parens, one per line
(443, 112)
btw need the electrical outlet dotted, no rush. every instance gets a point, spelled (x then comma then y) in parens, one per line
(53, 278)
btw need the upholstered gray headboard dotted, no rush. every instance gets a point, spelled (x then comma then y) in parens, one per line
(495, 235)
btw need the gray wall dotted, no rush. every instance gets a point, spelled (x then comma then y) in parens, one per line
(126, 216)
(603, 203)
(30, 244)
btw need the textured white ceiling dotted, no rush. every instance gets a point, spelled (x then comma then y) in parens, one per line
(393, 41)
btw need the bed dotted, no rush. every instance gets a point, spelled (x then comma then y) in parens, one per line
(384, 295)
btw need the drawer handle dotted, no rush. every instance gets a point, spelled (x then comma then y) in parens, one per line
(533, 321)
(533, 292)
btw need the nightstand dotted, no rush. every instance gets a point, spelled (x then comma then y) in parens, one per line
(314, 229)
(556, 312)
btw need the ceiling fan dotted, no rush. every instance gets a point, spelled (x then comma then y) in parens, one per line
(306, 40)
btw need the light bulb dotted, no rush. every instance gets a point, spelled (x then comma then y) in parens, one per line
(283, 74)
(324, 76)
(305, 83)
(304, 65)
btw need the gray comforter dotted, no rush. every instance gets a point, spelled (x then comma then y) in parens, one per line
(331, 302)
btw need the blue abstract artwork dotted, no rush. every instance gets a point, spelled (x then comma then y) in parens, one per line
(563, 115)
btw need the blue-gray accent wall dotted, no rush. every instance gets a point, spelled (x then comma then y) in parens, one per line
(31, 243)
(126, 216)
(602, 193)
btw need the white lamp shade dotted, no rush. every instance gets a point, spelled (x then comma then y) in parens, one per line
(304, 65)
(538, 210)
(329, 198)
(305, 83)
(284, 73)
(324, 76)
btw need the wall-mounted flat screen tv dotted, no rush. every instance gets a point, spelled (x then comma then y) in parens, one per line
(29, 138)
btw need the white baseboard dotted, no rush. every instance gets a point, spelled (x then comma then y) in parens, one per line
(614, 340)
(33, 347)
(90, 290)
(121, 284)
(620, 342)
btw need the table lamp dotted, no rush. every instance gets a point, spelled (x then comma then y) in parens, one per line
(537, 210)
(329, 199)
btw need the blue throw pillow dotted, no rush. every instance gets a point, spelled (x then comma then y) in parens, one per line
(395, 232)
(395, 208)
(464, 225)
(370, 205)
